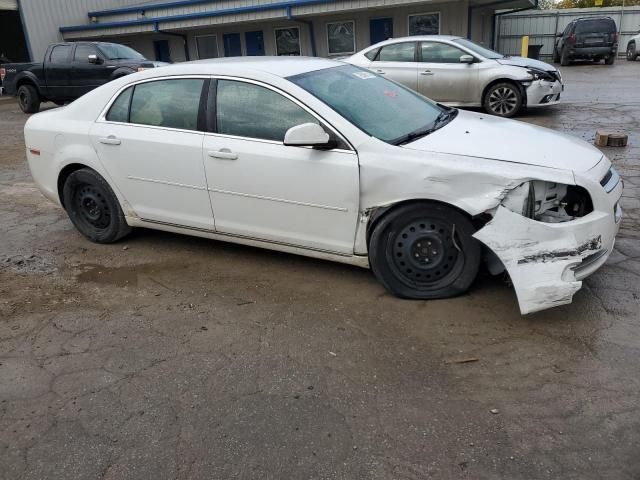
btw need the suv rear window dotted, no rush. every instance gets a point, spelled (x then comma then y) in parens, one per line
(601, 25)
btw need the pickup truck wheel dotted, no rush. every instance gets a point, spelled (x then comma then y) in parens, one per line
(424, 250)
(28, 99)
(93, 207)
(610, 59)
(631, 52)
(503, 99)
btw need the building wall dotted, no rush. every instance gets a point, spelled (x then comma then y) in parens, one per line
(42, 19)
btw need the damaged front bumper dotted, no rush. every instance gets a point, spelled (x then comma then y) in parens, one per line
(542, 92)
(547, 261)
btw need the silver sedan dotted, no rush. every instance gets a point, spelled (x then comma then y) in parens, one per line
(457, 72)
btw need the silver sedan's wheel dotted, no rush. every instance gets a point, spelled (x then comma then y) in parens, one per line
(631, 52)
(503, 99)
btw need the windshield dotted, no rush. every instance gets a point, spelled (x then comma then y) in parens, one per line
(483, 52)
(381, 108)
(115, 51)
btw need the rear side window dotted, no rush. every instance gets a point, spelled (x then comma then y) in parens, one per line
(167, 103)
(119, 111)
(248, 110)
(398, 52)
(60, 54)
(433, 52)
(600, 25)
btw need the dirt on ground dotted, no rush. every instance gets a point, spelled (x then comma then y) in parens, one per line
(168, 356)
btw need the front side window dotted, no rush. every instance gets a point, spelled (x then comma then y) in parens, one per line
(341, 37)
(424, 24)
(398, 52)
(167, 103)
(83, 52)
(434, 52)
(60, 54)
(119, 111)
(207, 46)
(288, 41)
(381, 108)
(249, 110)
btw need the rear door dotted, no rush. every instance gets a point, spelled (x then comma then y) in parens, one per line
(441, 75)
(150, 143)
(57, 71)
(597, 32)
(398, 62)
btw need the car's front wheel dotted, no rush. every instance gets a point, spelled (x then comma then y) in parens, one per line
(503, 99)
(93, 207)
(631, 52)
(424, 250)
(28, 99)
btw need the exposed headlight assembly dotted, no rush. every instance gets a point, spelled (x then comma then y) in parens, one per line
(541, 75)
(549, 202)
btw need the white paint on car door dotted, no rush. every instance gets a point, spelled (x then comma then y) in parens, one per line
(156, 162)
(262, 189)
(442, 77)
(397, 61)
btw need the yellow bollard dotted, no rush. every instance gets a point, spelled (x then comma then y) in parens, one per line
(524, 51)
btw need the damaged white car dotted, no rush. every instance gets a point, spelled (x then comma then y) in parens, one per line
(319, 158)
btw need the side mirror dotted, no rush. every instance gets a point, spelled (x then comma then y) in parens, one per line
(467, 59)
(95, 59)
(307, 135)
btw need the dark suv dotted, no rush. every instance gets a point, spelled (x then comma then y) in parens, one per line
(592, 38)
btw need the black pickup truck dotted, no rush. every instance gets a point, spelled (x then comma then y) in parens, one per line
(69, 71)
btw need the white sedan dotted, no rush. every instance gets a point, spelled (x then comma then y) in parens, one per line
(325, 159)
(457, 72)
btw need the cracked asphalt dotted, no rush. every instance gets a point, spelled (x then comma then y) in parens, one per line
(173, 357)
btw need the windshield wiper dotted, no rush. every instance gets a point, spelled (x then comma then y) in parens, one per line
(442, 119)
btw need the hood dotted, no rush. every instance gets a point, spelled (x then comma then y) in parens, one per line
(485, 136)
(526, 62)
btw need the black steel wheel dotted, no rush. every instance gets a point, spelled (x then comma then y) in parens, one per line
(93, 207)
(424, 250)
(503, 99)
(28, 99)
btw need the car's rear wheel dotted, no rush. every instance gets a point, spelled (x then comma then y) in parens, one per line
(424, 250)
(610, 59)
(93, 207)
(503, 99)
(631, 52)
(564, 57)
(28, 99)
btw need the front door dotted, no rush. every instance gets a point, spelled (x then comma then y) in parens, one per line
(443, 78)
(380, 29)
(86, 76)
(255, 43)
(397, 61)
(262, 189)
(154, 153)
(162, 50)
(232, 47)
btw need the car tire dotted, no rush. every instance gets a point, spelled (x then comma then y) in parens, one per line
(93, 207)
(564, 57)
(610, 59)
(28, 99)
(503, 99)
(424, 250)
(632, 54)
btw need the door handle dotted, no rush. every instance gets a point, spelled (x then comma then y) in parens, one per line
(426, 72)
(381, 72)
(223, 153)
(110, 140)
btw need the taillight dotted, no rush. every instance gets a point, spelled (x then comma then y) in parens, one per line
(572, 39)
(3, 73)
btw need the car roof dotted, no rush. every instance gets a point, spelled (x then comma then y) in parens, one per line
(279, 66)
(416, 38)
